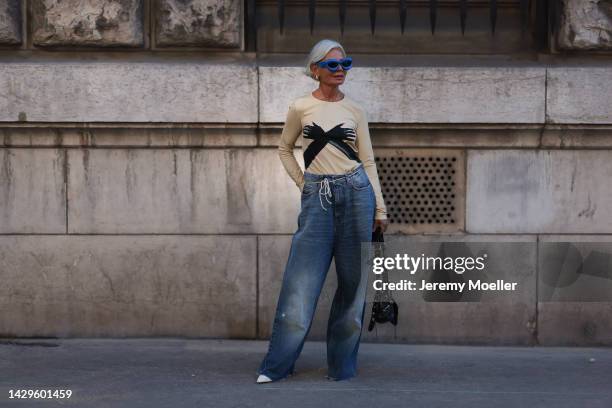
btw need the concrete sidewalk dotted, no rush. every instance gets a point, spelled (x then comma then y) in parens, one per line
(221, 373)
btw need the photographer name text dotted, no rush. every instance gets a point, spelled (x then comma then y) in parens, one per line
(423, 285)
(414, 264)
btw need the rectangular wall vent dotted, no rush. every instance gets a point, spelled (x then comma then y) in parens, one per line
(423, 189)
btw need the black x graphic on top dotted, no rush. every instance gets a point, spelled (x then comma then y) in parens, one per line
(335, 136)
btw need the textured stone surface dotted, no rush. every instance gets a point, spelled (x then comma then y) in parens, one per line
(547, 191)
(102, 23)
(180, 191)
(33, 194)
(182, 92)
(421, 94)
(184, 136)
(585, 25)
(575, 268)
(575, 290)
(129, 92)
(127, 286)
(577, 137)
(579, 95)
(210, 23)
(10, 22)
(575, 323)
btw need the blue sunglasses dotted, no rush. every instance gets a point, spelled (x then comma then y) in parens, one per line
(333, 64)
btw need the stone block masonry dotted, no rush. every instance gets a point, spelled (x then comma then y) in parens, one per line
(10, 22)
(209, 23)
(106, 23)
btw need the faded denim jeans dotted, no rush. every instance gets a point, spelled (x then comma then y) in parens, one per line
(337, 214)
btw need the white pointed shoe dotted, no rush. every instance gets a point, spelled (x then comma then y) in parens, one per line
(263, 379)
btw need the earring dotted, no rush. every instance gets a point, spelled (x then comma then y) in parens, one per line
(317, 77)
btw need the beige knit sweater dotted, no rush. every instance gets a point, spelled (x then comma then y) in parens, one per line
(343, 125)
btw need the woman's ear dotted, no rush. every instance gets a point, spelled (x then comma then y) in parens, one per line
(313, 70)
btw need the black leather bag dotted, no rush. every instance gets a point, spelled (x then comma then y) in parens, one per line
(384, 308)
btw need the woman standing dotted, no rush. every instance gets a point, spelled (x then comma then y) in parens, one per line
(341, 204)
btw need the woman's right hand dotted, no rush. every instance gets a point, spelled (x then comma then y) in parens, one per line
(382, 224)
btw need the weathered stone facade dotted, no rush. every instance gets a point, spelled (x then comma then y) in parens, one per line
(585, 25)
(141, 192)
(126, 286)
(210, 23)
(84, 91)
(196, 202)
(10, 22)
(106, 23)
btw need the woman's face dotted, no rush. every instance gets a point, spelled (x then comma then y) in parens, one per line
(326, 76)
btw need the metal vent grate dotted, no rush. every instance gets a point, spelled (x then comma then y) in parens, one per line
(422, 189)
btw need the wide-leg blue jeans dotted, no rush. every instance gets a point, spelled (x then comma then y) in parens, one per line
(337, 214)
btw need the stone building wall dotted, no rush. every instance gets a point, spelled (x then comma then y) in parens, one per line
(142, 193)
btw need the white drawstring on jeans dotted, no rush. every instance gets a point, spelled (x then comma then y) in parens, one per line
(324, 190)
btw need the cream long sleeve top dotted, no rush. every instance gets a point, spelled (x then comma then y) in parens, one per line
(334, 136)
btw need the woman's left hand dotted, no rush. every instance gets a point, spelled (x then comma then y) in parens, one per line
(382, 224)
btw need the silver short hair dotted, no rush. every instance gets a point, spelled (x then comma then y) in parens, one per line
(318, 52)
